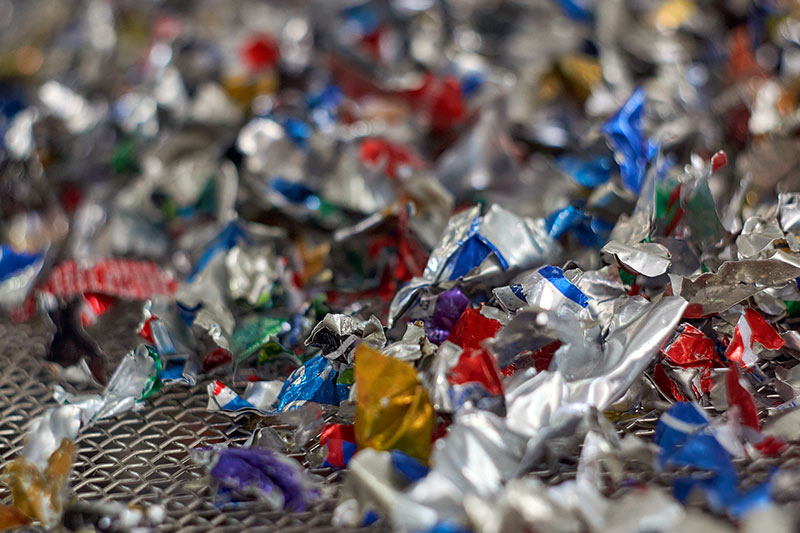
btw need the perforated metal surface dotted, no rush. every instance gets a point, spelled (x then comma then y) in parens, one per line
(141, 457)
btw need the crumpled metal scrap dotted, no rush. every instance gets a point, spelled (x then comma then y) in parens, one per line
(514, 265)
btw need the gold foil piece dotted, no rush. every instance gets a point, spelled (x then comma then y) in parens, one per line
(673, 13)
(581, 73)
(394, 411)
(37, 494)
(243, 89)
(11, 517)
(314, 258)
(550, 87)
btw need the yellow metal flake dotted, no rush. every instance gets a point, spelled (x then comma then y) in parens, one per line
(783, 244)
(581, 72)
(243, 89)
(394, 411)
(673, 13)
(314, 258)
(11, 517)
(38, 495)
(550, 87)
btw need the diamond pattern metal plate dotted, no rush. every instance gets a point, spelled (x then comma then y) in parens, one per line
(141, 457)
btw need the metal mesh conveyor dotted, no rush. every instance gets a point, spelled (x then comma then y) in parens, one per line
(144, 456)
